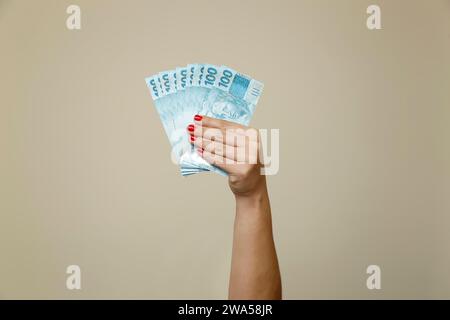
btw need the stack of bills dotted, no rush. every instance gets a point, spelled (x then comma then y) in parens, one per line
(203, 89)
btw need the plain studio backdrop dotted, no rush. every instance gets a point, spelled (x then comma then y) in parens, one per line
(85, 171)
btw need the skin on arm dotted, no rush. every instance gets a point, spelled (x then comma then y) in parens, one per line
(234, 148)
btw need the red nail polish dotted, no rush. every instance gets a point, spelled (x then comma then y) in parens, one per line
(192, 138)
(190, 128)
(198, 117)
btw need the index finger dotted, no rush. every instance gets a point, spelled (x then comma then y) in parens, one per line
(215, 123)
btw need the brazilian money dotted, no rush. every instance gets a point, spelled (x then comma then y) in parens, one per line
(203, 89)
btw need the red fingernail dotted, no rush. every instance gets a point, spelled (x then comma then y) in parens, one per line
(198, 117)
(190, 128)
(192, 138)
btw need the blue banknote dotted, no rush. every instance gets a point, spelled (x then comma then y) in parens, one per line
(205, 89)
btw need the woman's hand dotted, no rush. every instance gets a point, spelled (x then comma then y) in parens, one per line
(233, 148)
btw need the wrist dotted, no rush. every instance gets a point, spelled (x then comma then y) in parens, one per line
(257, 190)
(254, 198)
(255, 202)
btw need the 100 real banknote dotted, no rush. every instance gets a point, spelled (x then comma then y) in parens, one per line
(204, 89)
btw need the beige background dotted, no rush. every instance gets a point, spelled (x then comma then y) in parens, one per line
(85, 174)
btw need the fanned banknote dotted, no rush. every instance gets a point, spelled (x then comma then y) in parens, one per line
(204, 89)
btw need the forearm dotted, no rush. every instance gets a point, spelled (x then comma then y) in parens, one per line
(254, 268)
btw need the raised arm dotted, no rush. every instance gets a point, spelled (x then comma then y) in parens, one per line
(255, 272)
